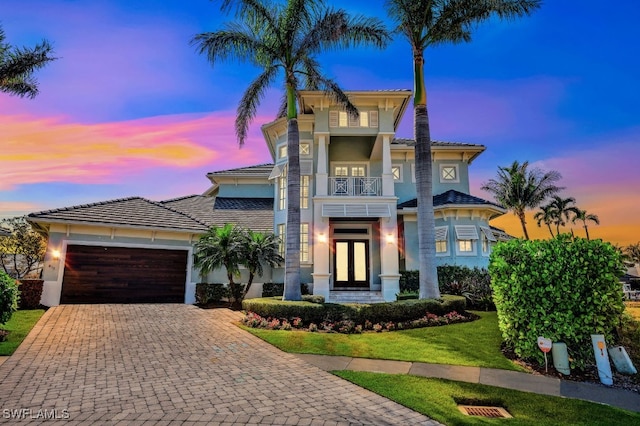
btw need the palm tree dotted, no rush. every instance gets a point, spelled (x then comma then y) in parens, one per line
(584, 216)
(221, 247)
(427, 23)
(17, 66)
(283, 40)
(632, 253)
(561, 209)
(519, 188)
(546, 216)
(260, 248)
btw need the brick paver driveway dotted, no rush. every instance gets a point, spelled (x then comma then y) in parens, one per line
(160, 364)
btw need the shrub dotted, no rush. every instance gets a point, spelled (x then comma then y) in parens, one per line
(8, 297)
(313, 298)
(409, 281)
(472, 283)
(277, 289)
(30, 293)
(561, 289)
(211, 293)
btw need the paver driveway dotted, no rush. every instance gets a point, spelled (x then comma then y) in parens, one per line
(160, 364)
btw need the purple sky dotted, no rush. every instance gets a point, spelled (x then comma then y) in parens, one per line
(131, 109)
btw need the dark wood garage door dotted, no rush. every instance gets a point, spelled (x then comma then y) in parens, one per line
(96, 274)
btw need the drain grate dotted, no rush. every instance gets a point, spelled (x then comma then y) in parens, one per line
(491, 412)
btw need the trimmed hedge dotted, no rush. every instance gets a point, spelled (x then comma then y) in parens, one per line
(277, 289)
(211, 293)
(406, 310)
(562, 289)
(8, 297)
(30, 293)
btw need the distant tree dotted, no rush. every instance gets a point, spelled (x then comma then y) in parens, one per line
(424, 24)
(17, 65)
(260, 249)
(632, 253)
(584, 216)
(22, 250)
(519, 189)
(284, 40)
(546, 216)
(562, 209)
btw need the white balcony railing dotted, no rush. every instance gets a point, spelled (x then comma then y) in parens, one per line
(355, 186)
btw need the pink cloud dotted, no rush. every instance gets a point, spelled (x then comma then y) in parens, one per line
(37, 150)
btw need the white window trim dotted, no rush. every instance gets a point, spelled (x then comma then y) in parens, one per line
(308, 244)
(467, 233)
(445, 239)
(401, 172)
(413, 172)
(483, 237)
(473, 252)
(457, 171)
(335, 164)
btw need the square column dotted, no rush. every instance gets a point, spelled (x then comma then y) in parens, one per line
(321, 251)
(388, 189)
(389, 257)
(322, 177)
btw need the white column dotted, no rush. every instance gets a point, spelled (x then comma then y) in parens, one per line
(321, 275)
(321, 174)
(389, 263)
(387, 175)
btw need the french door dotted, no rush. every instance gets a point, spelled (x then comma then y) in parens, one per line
(351, 264)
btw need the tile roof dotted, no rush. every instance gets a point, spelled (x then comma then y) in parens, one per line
(133, 211)
(411, 142)
(450, 197)
(253, 213)
(259, 170)
(4, 233)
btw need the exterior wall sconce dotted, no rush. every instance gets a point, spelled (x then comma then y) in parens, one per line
(322, 238)
(391, 239)
(55, 254)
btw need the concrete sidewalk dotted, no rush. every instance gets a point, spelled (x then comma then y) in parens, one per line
(627, 400)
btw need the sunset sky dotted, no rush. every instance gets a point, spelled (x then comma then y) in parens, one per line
(130, 109)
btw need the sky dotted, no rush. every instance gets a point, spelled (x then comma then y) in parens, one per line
(130, 108)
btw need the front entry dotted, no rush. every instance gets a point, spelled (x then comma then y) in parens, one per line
(351, 261)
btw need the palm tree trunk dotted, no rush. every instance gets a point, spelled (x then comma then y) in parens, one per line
(523, 222)
(550, 230)
(248, 286)
(586, 230)
(292, 254)
(429, 288)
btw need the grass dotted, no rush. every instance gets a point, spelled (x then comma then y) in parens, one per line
(18, 326)
(474, 343)
(438, 399)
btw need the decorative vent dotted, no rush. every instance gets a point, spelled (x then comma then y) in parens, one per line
(490, 412)
(333, 118)
(306, 168)
(373, 118)
(466, 232)
(488, 233)
(441, 233)
(355, 210)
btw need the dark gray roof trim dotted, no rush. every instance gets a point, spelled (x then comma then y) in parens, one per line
(412, 142)
(227, 203)
(450, 197)
(258, 170)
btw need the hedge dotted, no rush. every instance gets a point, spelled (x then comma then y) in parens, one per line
(30, 293)
(406, 310)
(277, 289)
(563, 289)
(8, 297)
(211, 293)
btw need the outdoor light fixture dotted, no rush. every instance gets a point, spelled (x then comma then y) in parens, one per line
(55, 254)
(322, 238)
(391, 238)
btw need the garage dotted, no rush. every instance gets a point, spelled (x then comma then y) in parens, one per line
(105, 274)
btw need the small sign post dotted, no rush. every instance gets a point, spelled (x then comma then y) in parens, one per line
(545, 346)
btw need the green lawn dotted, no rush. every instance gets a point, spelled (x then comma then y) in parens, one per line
(474, 343)
(19, 326)
(438, 399)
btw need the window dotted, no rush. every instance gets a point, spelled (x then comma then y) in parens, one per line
(304, 242)
(341, 170)
(396, 171)
(283, 237)
(304, 192)
(466, 235)
(359, 171)
(487, 237)
(282, 190)
(342, 119)
(441, 239)
(485, 243)
(449, 173)
(282, 151)
(413, 172)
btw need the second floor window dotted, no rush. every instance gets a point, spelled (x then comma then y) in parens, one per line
(342, 119)
(282, 190)
(304, 192)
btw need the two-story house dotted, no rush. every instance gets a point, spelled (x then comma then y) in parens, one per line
(358, 214)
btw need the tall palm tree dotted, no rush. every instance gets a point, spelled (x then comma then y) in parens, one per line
(584, 216)
(221, 247)
(562, 209)
(284, 40)
(17, 65)
(519, 188)
(546, 216)
(427, 23)
(260, 249)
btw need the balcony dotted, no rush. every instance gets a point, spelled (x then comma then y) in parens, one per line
(355, 186)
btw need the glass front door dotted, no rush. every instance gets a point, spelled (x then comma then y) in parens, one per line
(351, 263)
